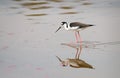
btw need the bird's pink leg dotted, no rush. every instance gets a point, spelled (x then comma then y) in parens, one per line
(80, 44)
(79, 37)
(76, 53)
(76, 37)
(79, 52)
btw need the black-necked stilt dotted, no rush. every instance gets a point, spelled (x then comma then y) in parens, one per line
(75, 26)
(75, 63)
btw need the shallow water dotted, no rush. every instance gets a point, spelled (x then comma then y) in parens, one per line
(29, 46)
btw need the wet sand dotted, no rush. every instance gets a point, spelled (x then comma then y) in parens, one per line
(29, 46)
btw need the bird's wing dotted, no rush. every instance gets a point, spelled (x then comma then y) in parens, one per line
(83, 64)
(81, 25)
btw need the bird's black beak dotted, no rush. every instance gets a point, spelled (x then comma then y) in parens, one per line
(59, 59)
(58, 29)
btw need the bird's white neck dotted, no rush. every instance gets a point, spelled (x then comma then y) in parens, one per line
(66, 26)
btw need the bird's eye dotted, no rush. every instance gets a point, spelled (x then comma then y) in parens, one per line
(61, 23)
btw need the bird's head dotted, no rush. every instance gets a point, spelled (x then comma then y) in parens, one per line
(63, 63)
(62, 25)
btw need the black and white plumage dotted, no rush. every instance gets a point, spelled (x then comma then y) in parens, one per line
(75, 26)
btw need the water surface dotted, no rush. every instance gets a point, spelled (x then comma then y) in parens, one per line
(29, 46)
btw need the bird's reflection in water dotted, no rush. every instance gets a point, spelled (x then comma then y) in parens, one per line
(78, 63)
(75, 63)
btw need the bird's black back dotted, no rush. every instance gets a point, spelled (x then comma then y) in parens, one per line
(81, 25)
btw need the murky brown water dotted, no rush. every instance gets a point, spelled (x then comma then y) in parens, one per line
(29, 46)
